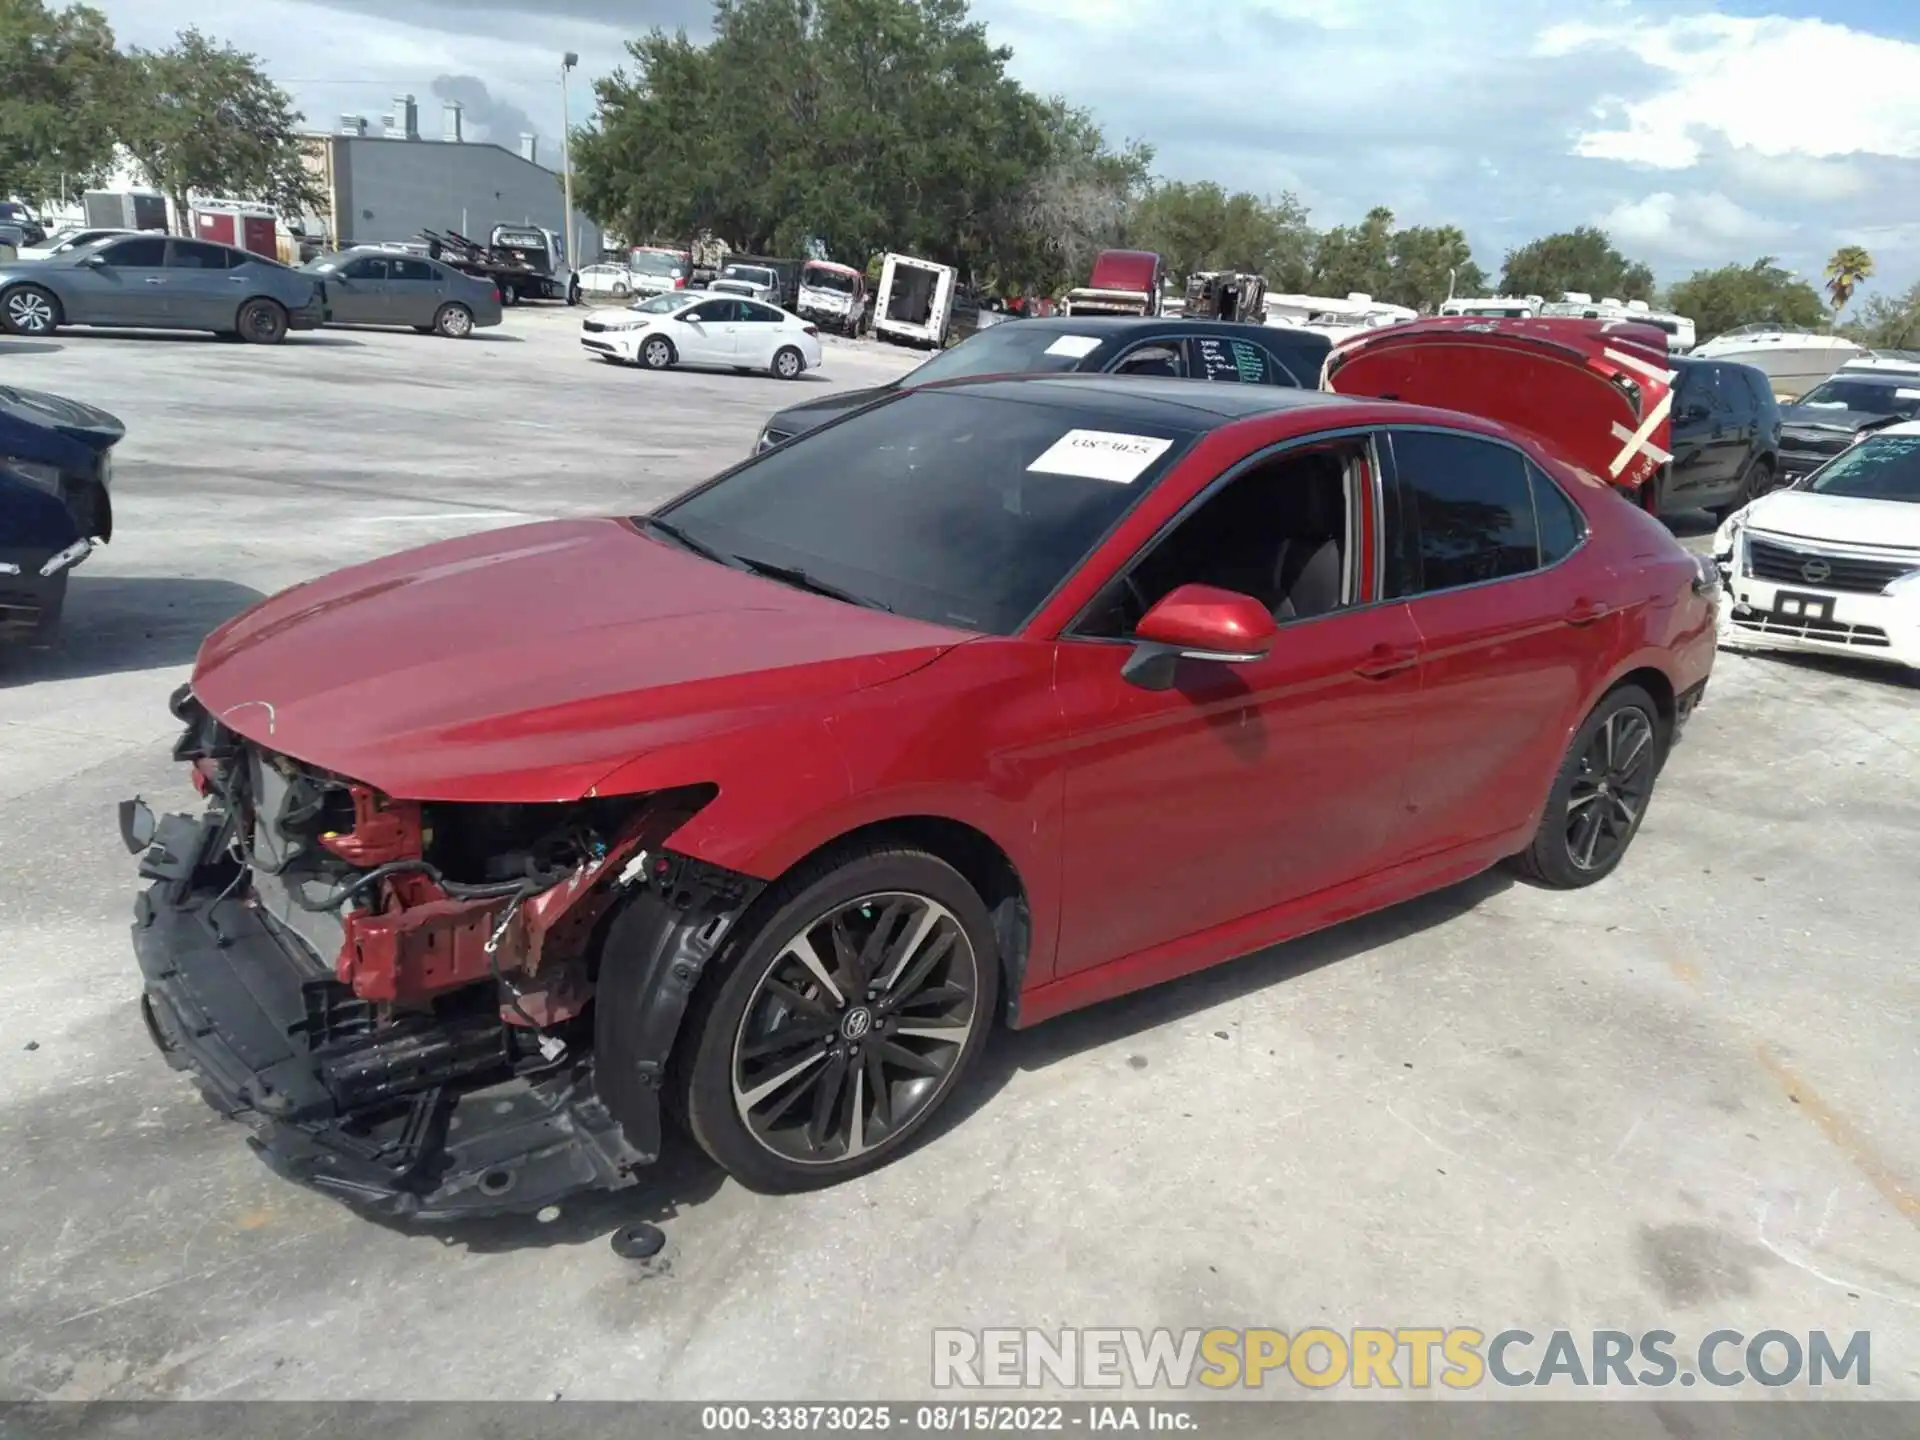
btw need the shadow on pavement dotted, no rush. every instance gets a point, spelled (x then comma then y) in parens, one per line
(115, 623)
(10, 348)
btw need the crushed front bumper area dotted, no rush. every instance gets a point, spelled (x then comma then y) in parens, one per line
(428, 1121)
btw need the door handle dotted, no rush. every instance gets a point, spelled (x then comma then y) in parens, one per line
(1385, 660)
(1585, 612)
(155, 280)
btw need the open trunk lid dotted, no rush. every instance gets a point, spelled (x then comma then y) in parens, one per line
(1598, 392)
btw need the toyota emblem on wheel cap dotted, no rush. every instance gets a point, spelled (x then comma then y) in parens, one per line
(1814, 571)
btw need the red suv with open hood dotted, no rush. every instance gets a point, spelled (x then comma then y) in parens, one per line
(982, 703)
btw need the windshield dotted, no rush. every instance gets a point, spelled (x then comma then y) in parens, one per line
(1008, 350)
(1882, 467)
(654, 262)
(1867, 397)
(947, 506)
(664, 304)
(828, 280)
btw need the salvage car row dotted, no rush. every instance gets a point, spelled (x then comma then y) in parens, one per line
(802, 785)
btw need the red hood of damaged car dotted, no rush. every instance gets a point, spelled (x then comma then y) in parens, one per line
(1597, 391)
(526, 664)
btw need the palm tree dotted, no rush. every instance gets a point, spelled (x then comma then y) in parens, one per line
(1850, 267)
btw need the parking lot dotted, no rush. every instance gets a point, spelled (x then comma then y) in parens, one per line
(1687, 1098)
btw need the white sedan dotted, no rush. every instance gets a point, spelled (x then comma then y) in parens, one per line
(704, 329)
(1831, 563)
(614, 280)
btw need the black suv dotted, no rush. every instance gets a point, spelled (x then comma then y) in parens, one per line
(12, 212)
(1726, 439)
(1834, 414)
(1109, 344)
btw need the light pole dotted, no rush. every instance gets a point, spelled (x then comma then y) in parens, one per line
(567, 62)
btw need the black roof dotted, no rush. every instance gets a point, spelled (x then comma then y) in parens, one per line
(1187, 404)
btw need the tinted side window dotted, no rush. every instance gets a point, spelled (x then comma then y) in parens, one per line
(1221, 358)
(1471, 504)
(197, 255)
(145, 253)
(713, 312)
(411, 270)
(1561, 525)
(1727, 395)
(367, 267)
(757, 314)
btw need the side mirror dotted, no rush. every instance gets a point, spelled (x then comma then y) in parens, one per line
(1693, 411)
(1196, 622)
(94, 261)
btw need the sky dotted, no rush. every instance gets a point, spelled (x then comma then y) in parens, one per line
(1694, 133)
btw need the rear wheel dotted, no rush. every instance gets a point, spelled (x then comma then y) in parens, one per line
(261, 322)
(454, 321)
(833, 1031)
(509, 295)
(29, 310)
(788, 362)
(1601, 794)
(1755, 481)
(620, 292)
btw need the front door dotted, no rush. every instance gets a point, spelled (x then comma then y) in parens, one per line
(1246, 785)
(357, 292)
(1505, 606)
(1708, 442)
(126, 287)
(705, 334)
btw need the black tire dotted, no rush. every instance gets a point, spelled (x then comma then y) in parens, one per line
(788, 363)
(29, 310)
(1581, 792)
(260, 322)
(1755, 481)
(620, 292)
(573, 292)
(453, 321)
(658, 353)
(509, 295)
(734, 997)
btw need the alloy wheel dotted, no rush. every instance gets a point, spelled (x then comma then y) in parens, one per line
(29, 312)
(658, 354)
(786, 364)
(856, 1029)
(1610, 788)
(456, 323)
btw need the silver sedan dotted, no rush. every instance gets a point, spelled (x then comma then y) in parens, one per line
(368, 286)
(153, 282)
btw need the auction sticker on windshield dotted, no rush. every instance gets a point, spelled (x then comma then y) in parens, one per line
(1076, 347)
(1101, 455)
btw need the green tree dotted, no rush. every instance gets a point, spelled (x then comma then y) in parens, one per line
(60, 91)
(1354, 259)
(1428, 261)
(868, 123)
(1581, 260)
(209, 120)
(1199, 226)
(1079, 202)
(1734, 295)
(1849, 269)
(1888, 322)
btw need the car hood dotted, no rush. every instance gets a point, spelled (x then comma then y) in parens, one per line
(526, 664)
(1837, 519)
(1813, 418)
(798, 419)
(1597, 392)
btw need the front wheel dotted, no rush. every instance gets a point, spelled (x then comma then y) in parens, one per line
(657, 353)
(836, 1028)
(29, 310)
(1601, 794)
(261, 322)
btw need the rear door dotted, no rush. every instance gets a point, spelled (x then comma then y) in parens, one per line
(127, 287)
(1488, 553)
(201, 290)
(415, 290)
(1233, 360)
(758, 332)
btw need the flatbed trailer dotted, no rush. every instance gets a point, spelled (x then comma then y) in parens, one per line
(520, 261)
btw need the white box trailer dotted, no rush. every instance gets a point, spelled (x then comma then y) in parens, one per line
(914, 304)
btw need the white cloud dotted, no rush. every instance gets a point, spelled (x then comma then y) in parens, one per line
(1691, 226)
(1773, 85)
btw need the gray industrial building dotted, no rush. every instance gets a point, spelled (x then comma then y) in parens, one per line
(388, 187)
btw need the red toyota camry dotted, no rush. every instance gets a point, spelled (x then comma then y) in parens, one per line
(982, 703)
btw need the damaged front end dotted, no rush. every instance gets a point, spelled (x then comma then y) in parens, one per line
(397, 996)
